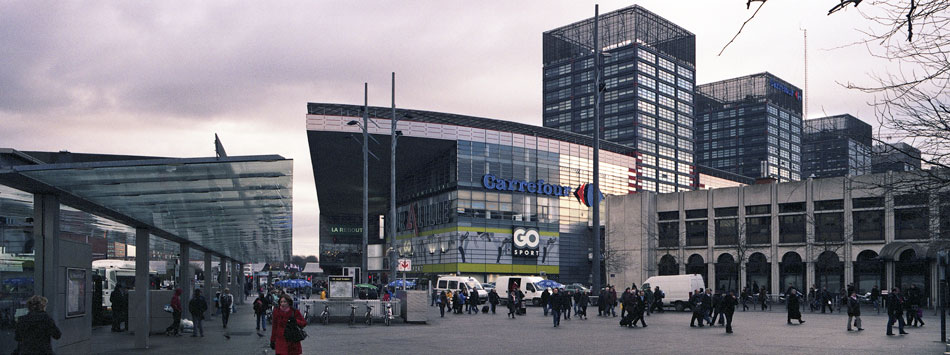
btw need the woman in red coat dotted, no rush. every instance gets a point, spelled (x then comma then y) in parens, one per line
(285, 311)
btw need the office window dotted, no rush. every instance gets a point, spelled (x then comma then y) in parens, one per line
(666, 64)
(666, 76)
(829, 227)
(646, 68)
(758, 209)
(791, 207)
(684, 84)
(791, 229)
(669, 234)
(665, 113)
(667, 89)
(685, 72)
(758, 230)
(646, 55)
(727, 211)
(646, 81)
(911, 223)
(869, 225)
(726, 231)
(696, 233)
(667, 101)
(700, 213)
(829, 205)
(645, 93)
(867, 202)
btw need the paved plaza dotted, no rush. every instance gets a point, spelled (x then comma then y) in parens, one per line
(756, 332)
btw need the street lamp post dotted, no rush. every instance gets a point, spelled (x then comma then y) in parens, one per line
(392, 186)
(596, 200)
(363, 271)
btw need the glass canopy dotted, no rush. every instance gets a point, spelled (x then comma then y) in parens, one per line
(238, 207)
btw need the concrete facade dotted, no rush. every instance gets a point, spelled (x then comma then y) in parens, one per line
(844, 230)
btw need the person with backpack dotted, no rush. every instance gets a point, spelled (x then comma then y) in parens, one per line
(261, 304)
(227, 300)
(443, 302)
(493, 300)
(197, 307)
(284, 314)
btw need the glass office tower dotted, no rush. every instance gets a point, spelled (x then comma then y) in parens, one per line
(750, 126)
(836, 146)
(648, 77)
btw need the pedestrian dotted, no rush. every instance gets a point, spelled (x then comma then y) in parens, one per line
(793, 306)
(463, 300)
(707, 306)
(613, 301)
(442, 302)
(639, 307)
(576, 295)
(658, 296)
(744, 296)
(854, 311)
(285, 313)
(519, 296)
(120, 308)
(876, 298)
(813, 300)
(556, 306)
(624, 301)
(217, 303)
(197, 308)
(717, 308)
(895, 311)
(512, 303)
(696, 304)
(584, 301)
(916, 298)
(567, 300)
(451, 297)
(492, 300)
(764, 298)
(728, 305)
(175, 303)
(226, 300)
(261, 305)
(826, 300)
(34, 329)
(602, 302)
(648, 296)
(435, 297)
(545, 299)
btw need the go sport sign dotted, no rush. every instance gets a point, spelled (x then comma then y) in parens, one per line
(584, 193)
(525, 242)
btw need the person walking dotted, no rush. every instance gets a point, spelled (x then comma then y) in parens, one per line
(119, 308)
(876, 298)
(35, 329)
(793, 306)
(442, 302)
(584, 301)
(197, 308)
(648, 297)
(556, 304)
(658, 296)
(696, 304)
(826, 301)
(227, 300)
(639, 307)
(602, 302)
(854, 311)
(545, 301)
(707, 306)
(764, 298)
(261, 305)
(728, 308)
(460, 308)
(284, 314)
(744, 296)
(175, 303)
(435, 297)
(613, 301)
(717, 308)
(916, 298)
(567, 300)
(624, 302)
(895, 311)
(512, 304)
(493, 300)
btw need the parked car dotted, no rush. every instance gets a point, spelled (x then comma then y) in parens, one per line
(576, 287)
(488, 286)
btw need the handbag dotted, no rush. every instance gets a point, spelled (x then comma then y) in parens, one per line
(292, 332)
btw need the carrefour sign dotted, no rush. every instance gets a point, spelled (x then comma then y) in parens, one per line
(491, 182)
(781, 87)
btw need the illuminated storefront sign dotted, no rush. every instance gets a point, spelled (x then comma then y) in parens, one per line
(781, 87)
(526, 242)
(491, 182)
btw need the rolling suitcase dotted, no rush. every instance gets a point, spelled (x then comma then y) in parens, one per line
(484, 309)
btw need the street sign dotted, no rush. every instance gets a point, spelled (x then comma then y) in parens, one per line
(404, 265)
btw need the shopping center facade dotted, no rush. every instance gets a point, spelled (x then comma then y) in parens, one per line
(464, 186)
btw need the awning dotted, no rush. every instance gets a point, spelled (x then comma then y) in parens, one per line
(312, 268)
(893, 250)
(237, 207)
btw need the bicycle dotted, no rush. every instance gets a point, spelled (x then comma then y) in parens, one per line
(352, 314)
(389, 314)
(369, 315)
(325, 316)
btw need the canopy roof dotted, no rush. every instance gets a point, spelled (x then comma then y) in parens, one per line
(236, 207)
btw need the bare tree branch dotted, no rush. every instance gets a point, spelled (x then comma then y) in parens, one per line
(744, 23)
(842, 5)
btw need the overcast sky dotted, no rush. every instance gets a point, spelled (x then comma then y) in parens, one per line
(160, 78)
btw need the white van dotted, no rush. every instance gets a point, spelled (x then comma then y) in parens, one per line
(676, 288)
(456, 283)
(532, 292)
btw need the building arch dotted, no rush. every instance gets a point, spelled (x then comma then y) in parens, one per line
(727, 273)
(695, 264)
(668, 266)
(912, 268)
(829, 271)
(758, 272)
(868, 271)
(792, 271)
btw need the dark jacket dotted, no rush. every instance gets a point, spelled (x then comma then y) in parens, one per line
(584, 299)
(226, 301)
(875, 294)
(493, 297)
(696, 303)
(728, 304)
(545, 297)
(265, 304)
(197, 307)
(794, 306)
(895, 305)
(854, 307)
(33, 333)
(555, 301)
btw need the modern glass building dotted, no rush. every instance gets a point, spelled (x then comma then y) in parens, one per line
(895, 157)
(836, 146)
(750, 126)
(464, 186)
(648, 77)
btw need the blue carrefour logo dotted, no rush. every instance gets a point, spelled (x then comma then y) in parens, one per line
(491, 182)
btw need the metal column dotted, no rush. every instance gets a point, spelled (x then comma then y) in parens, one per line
(208, 280)
(185, 275)
(143, 316)
(46, 246)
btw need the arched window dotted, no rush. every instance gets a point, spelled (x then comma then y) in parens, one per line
(697, 265)
(910, 270)
(792, 271)
(668, 266)
(868, 272)
(829, 272)
(758, 272)
(727, 273)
